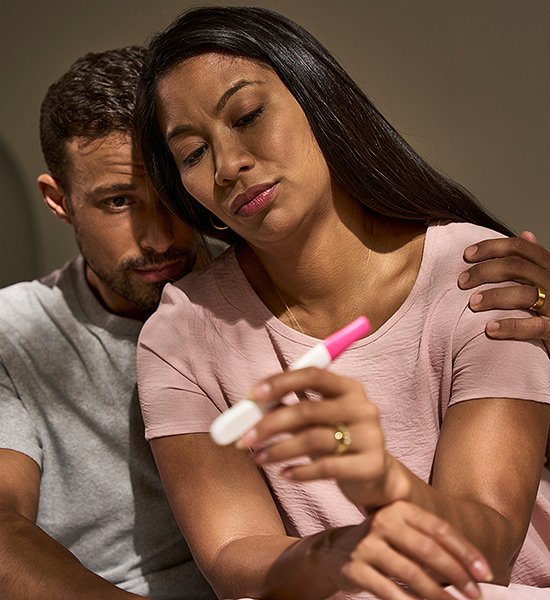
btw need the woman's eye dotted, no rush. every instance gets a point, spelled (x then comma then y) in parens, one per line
(249, 118)
(194, 157)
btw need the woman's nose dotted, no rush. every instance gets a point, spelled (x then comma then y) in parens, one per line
(232, 158)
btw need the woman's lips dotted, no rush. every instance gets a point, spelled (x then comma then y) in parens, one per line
(254, 199)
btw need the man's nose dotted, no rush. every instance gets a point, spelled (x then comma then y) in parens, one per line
(157, 228)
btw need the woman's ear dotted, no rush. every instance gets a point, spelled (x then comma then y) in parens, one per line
(54, 197)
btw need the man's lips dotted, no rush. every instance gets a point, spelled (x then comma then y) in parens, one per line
(257, 195)
(163, 272)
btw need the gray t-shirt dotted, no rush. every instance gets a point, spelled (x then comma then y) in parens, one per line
(68, 400)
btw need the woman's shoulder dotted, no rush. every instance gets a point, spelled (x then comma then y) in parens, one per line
(442, 263)
(445, 244)
(211, 272)
(457, 236)
(201, 297)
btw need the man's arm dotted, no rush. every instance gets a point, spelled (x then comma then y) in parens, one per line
(32, 564)
(519, 259)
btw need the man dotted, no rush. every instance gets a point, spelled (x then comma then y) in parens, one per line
(82, 512)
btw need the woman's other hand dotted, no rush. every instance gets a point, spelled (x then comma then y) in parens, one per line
(519, 259)
(406, 545)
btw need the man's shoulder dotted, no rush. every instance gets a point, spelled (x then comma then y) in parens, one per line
(25, 302)
(19, 297)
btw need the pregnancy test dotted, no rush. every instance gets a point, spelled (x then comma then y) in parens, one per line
(237, 420)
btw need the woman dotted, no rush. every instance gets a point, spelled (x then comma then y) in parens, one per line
(251, 125)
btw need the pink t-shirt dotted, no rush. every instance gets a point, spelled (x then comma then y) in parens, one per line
(212, 337)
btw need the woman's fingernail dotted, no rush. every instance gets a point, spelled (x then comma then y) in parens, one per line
(472, 591)
(287, 473)
(492, 326)
(481, 571)
(470, 251)
(463, 279)
(476, 299)
(248, 440)
(260, 391)
(261, 458)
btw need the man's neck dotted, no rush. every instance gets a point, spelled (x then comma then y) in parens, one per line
(112, 301)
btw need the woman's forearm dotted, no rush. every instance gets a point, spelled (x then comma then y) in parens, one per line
(277, 567)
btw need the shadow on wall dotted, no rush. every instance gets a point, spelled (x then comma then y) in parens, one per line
(18, 237)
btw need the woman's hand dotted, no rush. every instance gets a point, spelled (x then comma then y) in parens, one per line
(519, 259)
(401, 544)
(367, 474)
(406, 544)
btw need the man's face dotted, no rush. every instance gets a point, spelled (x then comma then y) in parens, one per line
(131, 244)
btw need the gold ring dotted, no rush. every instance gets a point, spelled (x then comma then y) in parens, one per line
(343, 439)
(541, 297)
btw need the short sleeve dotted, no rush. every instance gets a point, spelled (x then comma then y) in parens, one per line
(488, 368)
(172, 340)
(17, 431)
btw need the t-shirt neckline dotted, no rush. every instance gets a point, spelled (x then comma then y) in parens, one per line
(254, 302)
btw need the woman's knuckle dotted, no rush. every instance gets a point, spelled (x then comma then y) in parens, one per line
(426, 547)
(381, 521)
(442, 529)
(410, 572)
(306, 411)
(327, 468)
(312, 439)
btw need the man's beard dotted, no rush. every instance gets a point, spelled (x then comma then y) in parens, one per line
(144, 295)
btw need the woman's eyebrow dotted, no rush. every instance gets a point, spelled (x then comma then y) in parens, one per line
(239, 85)
(233, 89)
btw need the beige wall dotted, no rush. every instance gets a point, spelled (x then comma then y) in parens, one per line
(466, 82)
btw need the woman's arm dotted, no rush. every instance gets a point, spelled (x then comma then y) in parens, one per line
(519, 259)
(486, 469)
(227, 514)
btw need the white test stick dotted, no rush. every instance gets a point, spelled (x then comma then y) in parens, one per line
(241, 417)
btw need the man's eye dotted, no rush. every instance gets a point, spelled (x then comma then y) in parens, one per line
(249, 118)
(117, 203)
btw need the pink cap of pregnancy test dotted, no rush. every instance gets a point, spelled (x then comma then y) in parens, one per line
(339, 341)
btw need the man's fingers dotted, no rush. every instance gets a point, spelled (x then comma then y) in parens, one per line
(535, 327)
(502, 247)
(529, 236)
(509, 268)
(504, 298)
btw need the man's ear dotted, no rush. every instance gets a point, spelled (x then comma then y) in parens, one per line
(54, 197)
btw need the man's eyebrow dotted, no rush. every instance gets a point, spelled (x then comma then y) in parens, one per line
(115, 188)
(239, 85)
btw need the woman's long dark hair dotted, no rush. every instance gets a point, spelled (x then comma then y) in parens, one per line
(366, 156)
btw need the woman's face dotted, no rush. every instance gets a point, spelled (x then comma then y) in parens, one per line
(243, 145)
